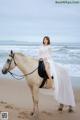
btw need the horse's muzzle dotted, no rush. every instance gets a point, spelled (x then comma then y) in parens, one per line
(4, 71)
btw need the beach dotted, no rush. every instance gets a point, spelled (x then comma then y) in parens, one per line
(15, 95)
(26, 26)
(15, 98)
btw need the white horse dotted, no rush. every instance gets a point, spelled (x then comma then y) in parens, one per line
(26, 64)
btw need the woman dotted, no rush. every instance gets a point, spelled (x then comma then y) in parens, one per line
(45, 54)
(61, 83)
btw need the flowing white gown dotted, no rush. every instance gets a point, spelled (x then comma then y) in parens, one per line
(63, 91)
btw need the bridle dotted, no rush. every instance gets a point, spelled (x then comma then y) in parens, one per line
(18, 77)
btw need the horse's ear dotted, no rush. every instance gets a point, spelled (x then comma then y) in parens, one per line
(11, 54)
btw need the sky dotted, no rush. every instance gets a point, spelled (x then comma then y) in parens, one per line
(31, 20)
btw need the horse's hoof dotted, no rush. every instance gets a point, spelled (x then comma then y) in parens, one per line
(70, 110)
(60, 109)
(32, 113)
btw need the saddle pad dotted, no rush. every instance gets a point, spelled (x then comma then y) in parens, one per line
(41, 69)
(42, 72)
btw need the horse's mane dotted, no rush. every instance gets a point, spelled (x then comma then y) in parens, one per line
(27, 57)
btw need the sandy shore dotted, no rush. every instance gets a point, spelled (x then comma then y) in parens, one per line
(15, 98)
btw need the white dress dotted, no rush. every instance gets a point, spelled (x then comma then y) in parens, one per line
(63, 91)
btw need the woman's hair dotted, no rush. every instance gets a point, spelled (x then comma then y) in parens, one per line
(48, 39)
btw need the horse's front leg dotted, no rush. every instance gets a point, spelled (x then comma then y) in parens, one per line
(36, 99)
(31, 88)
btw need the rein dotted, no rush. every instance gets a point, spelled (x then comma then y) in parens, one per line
(20, 76)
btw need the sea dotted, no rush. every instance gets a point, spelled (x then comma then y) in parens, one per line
(67, 54)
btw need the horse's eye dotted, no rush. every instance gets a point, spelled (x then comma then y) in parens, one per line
(8, 60)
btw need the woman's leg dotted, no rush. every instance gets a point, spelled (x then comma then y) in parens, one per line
(47, 68)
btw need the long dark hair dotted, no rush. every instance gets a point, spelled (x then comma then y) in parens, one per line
(48, 39)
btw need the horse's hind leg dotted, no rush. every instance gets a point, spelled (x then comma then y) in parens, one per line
(36, 99)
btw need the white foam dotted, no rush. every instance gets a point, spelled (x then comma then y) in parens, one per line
(74, 69)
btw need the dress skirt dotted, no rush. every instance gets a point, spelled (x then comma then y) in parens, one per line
(63, 91)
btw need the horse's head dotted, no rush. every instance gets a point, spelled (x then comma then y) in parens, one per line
(10, 63)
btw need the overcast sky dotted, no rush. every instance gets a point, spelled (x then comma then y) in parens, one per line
(33, 19)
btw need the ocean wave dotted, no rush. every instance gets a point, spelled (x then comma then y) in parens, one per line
(64, 54)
